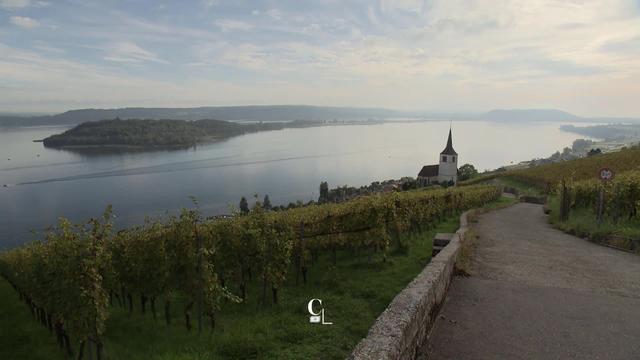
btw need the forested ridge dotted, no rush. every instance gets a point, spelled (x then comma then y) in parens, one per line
(151, 133)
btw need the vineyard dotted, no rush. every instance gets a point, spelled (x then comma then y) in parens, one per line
(80, 273)
(548, 176)
(616, 222)
(622, 195)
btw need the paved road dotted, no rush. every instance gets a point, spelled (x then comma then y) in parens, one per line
(537, 293)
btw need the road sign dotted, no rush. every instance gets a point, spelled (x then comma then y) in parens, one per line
(606, 174)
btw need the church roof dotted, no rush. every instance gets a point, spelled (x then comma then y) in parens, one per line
(428, 171)
(449, 149)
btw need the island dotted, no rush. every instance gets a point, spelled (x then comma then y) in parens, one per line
(146, 133)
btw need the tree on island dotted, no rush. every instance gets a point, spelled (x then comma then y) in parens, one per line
(466, 172)
(244, 206)
(266, 203)
(324, 192)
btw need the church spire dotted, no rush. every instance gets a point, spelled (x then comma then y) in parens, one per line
(449, 149)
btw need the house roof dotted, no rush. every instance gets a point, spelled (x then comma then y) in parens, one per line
(449, 149)
(428, 171)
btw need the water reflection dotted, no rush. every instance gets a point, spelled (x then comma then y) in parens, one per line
(288, 165)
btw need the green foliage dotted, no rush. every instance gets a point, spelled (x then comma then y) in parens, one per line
(251, 330)
(324, 192)
(623, 232)
(244, 206)
(548, 176)
(78, 268)
(62, 278)
(594, 152)
(150, 133)
(581, 145)
(466, 172)
(266, 203)
(622, 195)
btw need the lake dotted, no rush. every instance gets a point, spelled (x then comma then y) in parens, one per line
(288, 165)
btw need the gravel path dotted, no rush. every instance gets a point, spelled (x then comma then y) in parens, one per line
(537, 293)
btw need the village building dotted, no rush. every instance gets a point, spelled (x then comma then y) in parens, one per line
(444, 172)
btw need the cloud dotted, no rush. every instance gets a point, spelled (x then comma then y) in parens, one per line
(415, 6)
(42, 46)
(631, 45)
(210, 3)
(228, 25)
(129, 52)
(18, 4)
(24, 22)
(371, 14)
(275, 14)
(457, 54)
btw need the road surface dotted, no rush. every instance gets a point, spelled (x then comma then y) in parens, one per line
(537, 293)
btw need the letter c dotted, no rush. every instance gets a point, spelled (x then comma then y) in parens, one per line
(310, 306)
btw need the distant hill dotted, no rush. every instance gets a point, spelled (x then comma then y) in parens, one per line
(610, 132)
(228, 113)
(283, 113)
(530, 115)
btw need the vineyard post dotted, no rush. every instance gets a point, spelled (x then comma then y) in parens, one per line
(200, 279)
(605, 175)
(300, 257)
(600, 204)
(563, 202)
(89, 349)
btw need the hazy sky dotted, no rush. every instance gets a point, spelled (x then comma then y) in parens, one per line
(441, 55)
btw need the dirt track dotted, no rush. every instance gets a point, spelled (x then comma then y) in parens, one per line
(537, 293)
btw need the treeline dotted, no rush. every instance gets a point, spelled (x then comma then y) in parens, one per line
(158, 133)
(71, 278)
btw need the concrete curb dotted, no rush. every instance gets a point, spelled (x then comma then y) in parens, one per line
(403, 327)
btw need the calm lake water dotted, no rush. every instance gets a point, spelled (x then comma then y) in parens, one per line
(288, 165)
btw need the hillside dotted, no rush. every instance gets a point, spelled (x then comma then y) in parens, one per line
(253, 271)
(530, 115)
(573, 207)
(607, 132)
(275, 113)
(151, 133)
(546, 176)
(279, 113)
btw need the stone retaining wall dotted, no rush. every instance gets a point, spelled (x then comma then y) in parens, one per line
(403, 327)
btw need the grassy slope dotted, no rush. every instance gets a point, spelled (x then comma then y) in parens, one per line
(580, 169)
(582, 223)
(544, 176)
(21, 337)
(354, 293)
(523, 187)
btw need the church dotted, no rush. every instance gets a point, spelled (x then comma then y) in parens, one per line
(446, 171)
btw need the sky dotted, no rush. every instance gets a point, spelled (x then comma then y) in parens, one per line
(433, 55)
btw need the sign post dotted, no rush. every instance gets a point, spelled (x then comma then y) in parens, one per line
(605, 175)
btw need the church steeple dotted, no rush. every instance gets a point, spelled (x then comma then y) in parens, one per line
(449, 149)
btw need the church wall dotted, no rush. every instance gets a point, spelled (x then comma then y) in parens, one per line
(448, 171)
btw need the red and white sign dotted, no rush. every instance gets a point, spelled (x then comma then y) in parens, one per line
(606, 174)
